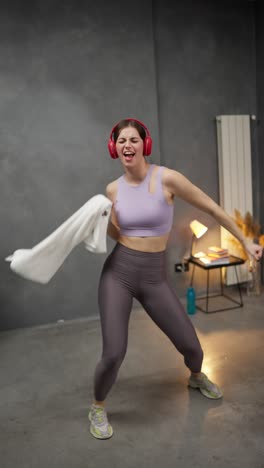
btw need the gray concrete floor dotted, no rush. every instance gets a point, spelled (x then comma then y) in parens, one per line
(46, 389)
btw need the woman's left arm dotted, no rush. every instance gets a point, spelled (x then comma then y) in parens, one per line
(181, 187)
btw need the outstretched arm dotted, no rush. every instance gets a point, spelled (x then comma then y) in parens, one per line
(181, 187)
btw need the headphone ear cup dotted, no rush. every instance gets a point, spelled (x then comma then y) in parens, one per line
(112, 149)
(147, 146)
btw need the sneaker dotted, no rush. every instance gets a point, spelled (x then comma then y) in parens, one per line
(100, 427)
(206, 387)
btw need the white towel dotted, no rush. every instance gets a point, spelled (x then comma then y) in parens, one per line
(88, 225)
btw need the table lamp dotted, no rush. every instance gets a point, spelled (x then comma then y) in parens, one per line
(198, 230)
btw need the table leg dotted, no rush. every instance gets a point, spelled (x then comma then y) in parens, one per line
(221, 281)
(192, 276)
(239, 289)
(207, 292)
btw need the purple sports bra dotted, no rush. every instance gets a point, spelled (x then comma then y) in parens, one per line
(141, 213)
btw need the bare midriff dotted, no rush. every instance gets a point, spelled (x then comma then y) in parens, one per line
(145, 244)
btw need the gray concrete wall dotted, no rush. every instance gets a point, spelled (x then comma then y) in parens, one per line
(205, 58)
(69, 71)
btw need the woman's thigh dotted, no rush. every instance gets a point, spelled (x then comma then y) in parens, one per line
(165, 309)
(115, 303)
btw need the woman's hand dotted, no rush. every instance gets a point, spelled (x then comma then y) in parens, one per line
(253, 250)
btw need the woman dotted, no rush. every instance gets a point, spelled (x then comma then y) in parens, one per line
(142, 216)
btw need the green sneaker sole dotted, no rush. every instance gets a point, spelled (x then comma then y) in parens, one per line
(206, 393)
(97, 435)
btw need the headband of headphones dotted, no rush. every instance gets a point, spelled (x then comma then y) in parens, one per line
(147, 140)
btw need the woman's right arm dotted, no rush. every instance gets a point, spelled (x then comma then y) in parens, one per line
(113, 230)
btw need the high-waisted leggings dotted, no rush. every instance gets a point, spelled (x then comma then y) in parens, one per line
(129, 274)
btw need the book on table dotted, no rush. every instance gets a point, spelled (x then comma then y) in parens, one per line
(214, 256)
(206, 260)
(217, 252)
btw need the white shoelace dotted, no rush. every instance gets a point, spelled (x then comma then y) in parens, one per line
(99, 416)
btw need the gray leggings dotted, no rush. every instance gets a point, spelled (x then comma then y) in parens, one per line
(126, 274)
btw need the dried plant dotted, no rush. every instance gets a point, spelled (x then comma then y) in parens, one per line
(250, 228)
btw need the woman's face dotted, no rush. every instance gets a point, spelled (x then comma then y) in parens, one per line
(129, 146)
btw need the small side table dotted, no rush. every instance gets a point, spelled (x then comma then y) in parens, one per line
(233, 261)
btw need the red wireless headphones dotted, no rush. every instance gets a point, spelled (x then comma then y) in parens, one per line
(147, 141)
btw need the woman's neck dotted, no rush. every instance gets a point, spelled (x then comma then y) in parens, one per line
(135, 175)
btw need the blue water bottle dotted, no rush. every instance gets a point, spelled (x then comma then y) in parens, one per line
(190, 296)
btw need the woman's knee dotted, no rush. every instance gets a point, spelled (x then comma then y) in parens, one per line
(195, 349)
(199, 352)
(113, 360)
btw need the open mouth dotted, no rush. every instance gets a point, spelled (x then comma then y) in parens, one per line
(128, 155)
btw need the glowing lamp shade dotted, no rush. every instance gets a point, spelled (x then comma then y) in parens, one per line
(198, 230)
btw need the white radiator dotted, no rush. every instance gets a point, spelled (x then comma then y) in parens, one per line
(235, 177)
